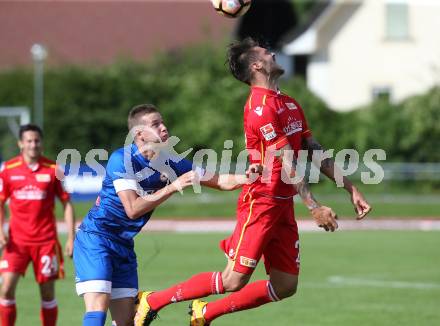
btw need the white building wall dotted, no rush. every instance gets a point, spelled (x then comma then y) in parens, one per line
(360, 57)
(318, 75)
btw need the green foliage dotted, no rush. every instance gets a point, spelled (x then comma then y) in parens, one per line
(303, 8)
(421, 117)
(86, 107)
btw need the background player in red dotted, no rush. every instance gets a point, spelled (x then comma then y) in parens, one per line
(30, 183)
(275, 129)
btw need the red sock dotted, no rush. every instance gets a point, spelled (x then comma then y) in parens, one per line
(49, 313)
(251, 296)
(198, 286)
(8, 312)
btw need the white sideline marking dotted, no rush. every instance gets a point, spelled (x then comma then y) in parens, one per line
(341, 280)
(206, 226)
(212, 225)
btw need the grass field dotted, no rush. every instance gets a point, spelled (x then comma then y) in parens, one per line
(347, 278)
(396, 200)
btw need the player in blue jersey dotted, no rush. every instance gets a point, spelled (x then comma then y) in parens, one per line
(139, 177)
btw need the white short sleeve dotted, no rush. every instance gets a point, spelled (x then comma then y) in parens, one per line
(125, 184)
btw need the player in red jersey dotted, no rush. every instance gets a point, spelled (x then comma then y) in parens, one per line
(275, 129)
(30, 183)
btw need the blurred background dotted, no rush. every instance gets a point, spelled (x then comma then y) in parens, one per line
(366, 72)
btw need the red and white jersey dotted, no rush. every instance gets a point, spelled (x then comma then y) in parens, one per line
(271, 121)
(32, 198)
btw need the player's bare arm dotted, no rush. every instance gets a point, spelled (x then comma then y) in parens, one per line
(330, 169)
(135, 206)
(324, 216)
(69, 218)
(3, 235)
(229, 182)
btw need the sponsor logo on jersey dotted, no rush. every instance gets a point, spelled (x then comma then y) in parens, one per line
(291, 106)
(231, 252)
(30, 193)
(4, 264)
(17, 177)
(248, 262)
(280, 110)
(42, 177)
(259, 110)
(292, 127)
(268, 132)
(164, 177)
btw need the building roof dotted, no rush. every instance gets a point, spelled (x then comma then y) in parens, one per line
(99, 31)
(305, 39)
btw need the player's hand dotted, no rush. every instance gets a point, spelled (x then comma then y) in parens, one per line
(185, 180)
(3, 240)
(254, 171)
(325, 218)
(361, 206)
(68, 248)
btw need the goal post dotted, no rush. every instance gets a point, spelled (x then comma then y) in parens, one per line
(11, 114)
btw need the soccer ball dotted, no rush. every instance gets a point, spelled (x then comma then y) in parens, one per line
(231, 8)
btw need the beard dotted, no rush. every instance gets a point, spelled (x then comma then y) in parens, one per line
(277, 71)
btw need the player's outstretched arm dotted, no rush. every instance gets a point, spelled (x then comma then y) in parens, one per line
(228, 182)
(135, 206)
(331, 170)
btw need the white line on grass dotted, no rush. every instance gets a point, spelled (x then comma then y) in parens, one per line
(350, 281)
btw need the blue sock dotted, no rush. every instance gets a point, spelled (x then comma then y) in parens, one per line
(94, 318)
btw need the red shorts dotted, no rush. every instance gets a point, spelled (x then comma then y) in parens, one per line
(265, 227)
(46, 258)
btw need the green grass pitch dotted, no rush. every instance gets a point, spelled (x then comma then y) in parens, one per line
(347, 278)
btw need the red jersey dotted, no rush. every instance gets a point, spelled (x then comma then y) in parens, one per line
(32, 199)
(272, 120)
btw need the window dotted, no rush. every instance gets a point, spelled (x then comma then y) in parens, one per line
(397, 20)
(382, 93)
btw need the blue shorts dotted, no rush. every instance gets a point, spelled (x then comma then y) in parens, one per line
(104, 266)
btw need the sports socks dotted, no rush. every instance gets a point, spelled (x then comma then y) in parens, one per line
(49, 313)
(251, 296)
(94, 318)
(8, 312)
(198, 286)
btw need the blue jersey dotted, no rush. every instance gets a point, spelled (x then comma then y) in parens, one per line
(127, 169)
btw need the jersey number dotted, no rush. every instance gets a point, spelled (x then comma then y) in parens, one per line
(297, 247)
(50, 265)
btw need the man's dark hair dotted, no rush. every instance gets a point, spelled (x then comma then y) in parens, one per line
(29, 127)
(240, 56)
(137, 112)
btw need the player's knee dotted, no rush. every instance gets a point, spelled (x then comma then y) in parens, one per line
(47, 292)
(7, 293)
(234, 286)
(287, 290)
(234, 283)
